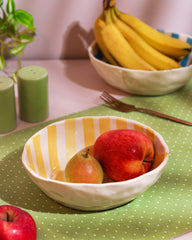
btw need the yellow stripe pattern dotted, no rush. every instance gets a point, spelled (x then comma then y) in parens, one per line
(89, 131)
(104, 125)
(121, 124)
(70, 138)
(52, 148)
(39, 156)
(30, 159)
(91, 128)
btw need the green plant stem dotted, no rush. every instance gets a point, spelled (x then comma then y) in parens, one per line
(16, 31)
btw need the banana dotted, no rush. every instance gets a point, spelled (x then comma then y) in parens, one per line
(98, 26)
(148, 53)
(170, 46)
(119, 47)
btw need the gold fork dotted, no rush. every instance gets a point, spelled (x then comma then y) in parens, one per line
(123, 107)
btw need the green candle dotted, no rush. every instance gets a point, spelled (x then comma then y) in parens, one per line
(33, 93)
(8, 119)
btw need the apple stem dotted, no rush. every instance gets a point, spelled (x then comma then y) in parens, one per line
(147, 161)
(7, 217)
(152, 161)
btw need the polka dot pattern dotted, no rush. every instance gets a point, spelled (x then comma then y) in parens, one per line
(162, 212)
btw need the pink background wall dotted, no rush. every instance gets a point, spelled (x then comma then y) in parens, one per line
(65, 27)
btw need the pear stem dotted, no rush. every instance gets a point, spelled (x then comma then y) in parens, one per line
(87, 153)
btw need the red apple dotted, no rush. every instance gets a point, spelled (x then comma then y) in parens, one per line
(124, 154)
(16, 224)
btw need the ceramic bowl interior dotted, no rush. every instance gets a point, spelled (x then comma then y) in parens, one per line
(49, 150)
(139, 82)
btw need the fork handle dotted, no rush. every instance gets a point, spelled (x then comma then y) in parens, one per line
(163, 116)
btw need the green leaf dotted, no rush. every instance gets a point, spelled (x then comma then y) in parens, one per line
(4, 17)
(24, 38)
(10, 6)
(2, 26)
(12, 23)
(17, 50)
(24, 18)
(2, 62)
(1, 3)
(14, 76)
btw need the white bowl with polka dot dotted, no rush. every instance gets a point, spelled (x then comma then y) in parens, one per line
(48, 151)
(139, 82)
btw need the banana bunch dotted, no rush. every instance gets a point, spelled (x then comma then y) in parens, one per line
(126, 41)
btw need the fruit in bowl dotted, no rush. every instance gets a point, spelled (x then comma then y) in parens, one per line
(120, 154)
(83, 168)
(52, 148)
(126, 41)
(141, 82)
(166, 56)
(124, 154)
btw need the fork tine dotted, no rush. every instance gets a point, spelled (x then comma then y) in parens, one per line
(107, 96)
(107, 100)
(111, 99)
(111, 104)
(117, 102)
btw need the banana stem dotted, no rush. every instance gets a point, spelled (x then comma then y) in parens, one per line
(108, 16)
(108, 4)
(117, 12)
(113, 15)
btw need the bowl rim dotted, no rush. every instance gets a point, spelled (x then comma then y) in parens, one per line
(102, 185)
(91, 55)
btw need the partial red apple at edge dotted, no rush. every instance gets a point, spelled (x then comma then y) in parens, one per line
(124, 153)
(16, 224)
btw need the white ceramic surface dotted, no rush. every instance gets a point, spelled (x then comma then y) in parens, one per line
(141, 82)
(51, 148)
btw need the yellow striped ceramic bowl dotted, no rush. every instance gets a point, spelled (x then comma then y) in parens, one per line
(46, 153)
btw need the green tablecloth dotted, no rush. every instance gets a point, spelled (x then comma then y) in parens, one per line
(162, 212)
